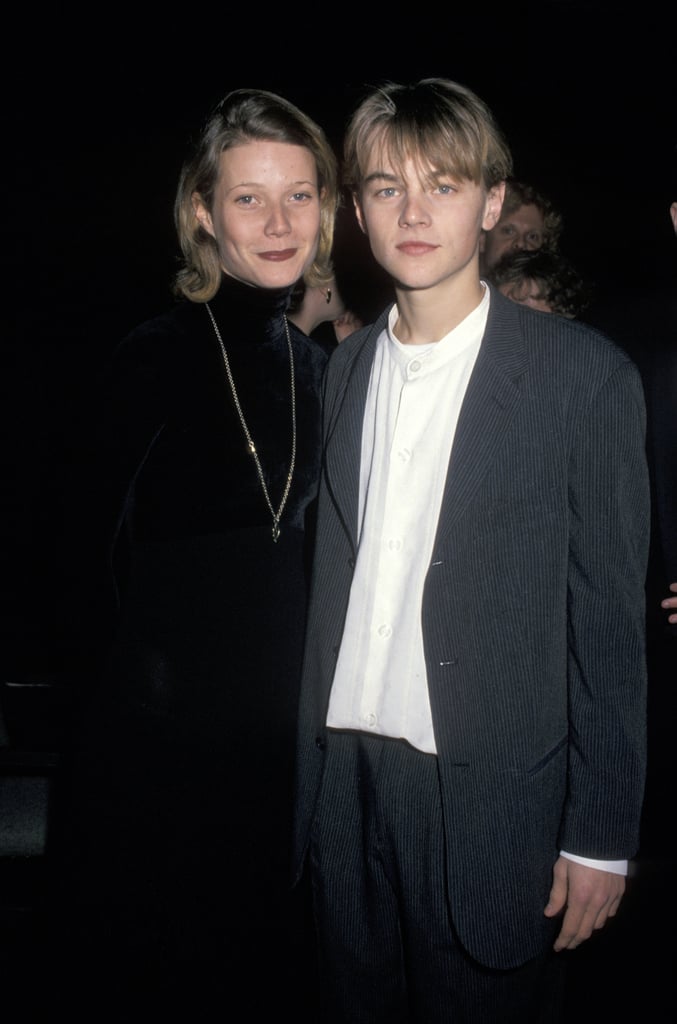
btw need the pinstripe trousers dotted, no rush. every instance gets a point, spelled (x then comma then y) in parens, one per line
(387, 946)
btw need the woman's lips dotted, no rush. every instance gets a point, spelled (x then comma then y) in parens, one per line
(278, 255)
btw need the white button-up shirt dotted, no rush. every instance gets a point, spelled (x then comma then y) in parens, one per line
(413, 402)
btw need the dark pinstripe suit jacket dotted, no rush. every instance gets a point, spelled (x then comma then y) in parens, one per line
(533, 615)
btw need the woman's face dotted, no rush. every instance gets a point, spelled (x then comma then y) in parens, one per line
(265, 216)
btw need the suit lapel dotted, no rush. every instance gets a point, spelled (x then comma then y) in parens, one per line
(491, 401)
(343, 426)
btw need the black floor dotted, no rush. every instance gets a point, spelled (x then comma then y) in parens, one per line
(627, 967)
(625, 972)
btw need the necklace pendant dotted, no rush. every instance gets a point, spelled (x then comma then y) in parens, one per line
(250, 443)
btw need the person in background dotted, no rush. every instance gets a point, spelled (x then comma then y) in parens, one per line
(670, 604)
(667, 372)
(313, 307)
(170, 846)
(658, 364)
(541, 279)
(528, 221)
(471, 747)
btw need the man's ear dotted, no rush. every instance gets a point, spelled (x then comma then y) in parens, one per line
(358, 212)
(202, 214)
(493, 205)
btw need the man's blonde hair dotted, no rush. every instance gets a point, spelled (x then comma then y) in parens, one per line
(440, 124)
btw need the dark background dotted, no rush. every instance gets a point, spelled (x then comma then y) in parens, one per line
(98, 109)
(96, 121)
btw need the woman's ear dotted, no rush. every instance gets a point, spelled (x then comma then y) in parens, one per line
(202, 214)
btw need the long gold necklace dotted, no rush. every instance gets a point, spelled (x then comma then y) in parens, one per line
(250, 444)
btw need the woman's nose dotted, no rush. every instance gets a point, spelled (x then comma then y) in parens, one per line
(278, 221)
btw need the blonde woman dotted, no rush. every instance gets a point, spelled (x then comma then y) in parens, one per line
(172, 849)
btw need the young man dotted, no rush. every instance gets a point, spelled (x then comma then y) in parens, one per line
(528, 222)
(471, 752)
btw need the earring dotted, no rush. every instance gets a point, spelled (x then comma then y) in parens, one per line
(328, 295)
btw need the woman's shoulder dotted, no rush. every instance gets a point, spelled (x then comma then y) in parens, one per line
(163, 337)
(156, 353)
(171, 323)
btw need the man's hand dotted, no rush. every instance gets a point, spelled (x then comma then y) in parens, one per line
(590, 897)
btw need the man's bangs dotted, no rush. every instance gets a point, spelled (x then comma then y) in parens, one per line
(445, 157)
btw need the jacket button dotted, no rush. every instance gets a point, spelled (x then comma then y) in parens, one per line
(320, 742)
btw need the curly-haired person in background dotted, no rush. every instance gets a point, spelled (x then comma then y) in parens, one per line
(529, 220)
(542, 279)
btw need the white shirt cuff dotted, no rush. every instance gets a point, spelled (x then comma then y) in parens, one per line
(616, 867)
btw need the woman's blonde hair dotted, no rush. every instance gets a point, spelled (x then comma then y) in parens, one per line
(247, 115)
(442, 125)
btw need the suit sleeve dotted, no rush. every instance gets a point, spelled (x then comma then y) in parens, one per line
(608, 553)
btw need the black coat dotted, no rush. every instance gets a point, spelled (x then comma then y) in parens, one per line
(172, 831)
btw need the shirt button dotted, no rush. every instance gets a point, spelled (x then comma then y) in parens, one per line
(404, 455)
(415, 366)
(384, 631)
(370, 719)
(395, 544)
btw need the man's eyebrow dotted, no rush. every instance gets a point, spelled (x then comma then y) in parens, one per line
(433, 173)
(380, 176)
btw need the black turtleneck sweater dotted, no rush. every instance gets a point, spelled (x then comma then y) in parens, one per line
(177, 804)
